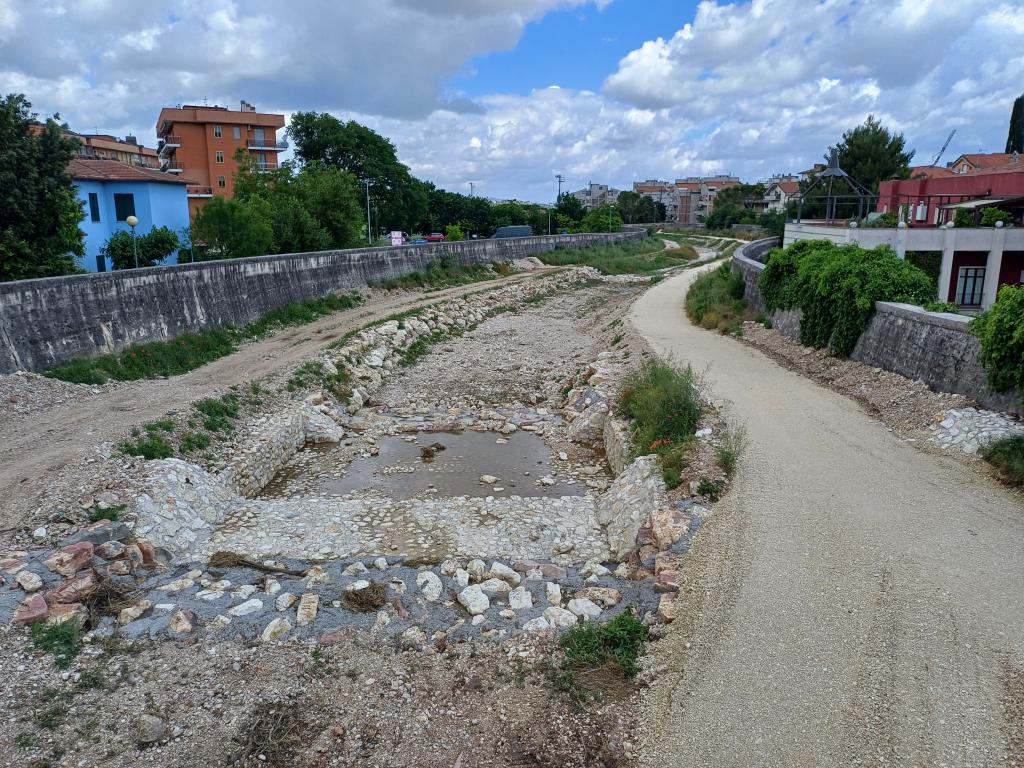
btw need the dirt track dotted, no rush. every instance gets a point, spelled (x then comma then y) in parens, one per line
(37, 445)
(854, 602)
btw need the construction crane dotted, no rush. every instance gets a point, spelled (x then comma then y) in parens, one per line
(943, 150)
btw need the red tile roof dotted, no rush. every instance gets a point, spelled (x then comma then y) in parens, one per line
(929, 172)
(789, 187)
(988, 160)
(112, 170)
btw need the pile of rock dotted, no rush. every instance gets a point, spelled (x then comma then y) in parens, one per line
(968, 430)
(56, 586)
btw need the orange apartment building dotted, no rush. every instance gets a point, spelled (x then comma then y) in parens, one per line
(200, 142)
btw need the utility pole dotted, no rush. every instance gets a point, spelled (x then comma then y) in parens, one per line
(471, 185)
(560, 178)
(369, 237)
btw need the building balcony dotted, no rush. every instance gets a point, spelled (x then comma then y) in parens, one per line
(264, 167)
(168, 144)
(195, 191)
(172, 166)
(266, 145)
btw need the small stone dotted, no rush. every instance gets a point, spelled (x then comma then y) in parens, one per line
(563, 455)
(507, 613)
(584, 608)
(604, 596)
(32, 609)
(539, 624)
(553, 572)
(413, 639)
(668, 607)
(284, 601)
(559, 617)
(547, 480)
(150, 729)
(430, 585)
(275, 630)
(357, 586)
(449, 567)
(28, 581)
(218, 623)
(12, 565)
(131, 613)
(462, 577)
(478, 620)
(503, 572)
(495, 586)
(39, 534)
(181, 622)
(593, 568)
(247, 608)
(67, 613)
(271, 586)
(488, 479)
(178, 585)
(354, 570)
(667, 581)
(75, 590)
(553, 593)
(474, 600)
(381, 564)
(476, 569)
(316, 575)
(70, 559)
(520, 599)
(309, 603)
(245, 591)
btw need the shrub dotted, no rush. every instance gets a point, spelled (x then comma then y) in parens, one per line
(1007, 456)
(110, 513)
(715, 300)
(150, 446)
(148, 250)
(929, 262)
(194, 441)
(620, 640)
(1000, 331)
(315, 374)
(710, 489)
(990, 216)
(733, 444)
(836, 288)
(453, 233)
(963, 218)
(663, 402)
(218, 413)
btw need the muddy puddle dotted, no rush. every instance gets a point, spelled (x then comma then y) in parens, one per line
(437, 464)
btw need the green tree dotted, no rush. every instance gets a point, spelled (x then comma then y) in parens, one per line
(39, 208)
(1015, 138)
(453, 233)
(399, 200)
(232, 229)
(570, 206)
(870, 153)
(726, 213)
(151, 249)
(603, 219)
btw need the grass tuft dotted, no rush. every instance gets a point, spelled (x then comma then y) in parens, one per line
(1007, 456)
(638, 257)
(596, 654)
(715, 301)
(64, 641)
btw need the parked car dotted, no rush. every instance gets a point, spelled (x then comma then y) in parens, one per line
(435, 237)
(519, 230)
(418, 241)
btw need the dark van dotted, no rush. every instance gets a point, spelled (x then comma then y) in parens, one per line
(515, 231)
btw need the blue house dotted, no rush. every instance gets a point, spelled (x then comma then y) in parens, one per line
(111, 191)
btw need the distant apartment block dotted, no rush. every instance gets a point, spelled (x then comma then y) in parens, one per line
(595, 195)
(200, 142)
(689, 200)
(99, 146)
(779, 191)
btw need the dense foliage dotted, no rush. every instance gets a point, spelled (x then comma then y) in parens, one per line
(232, 229)
(147, 250)
(628, 258)
(991, 216)
(715, 300)
(638, 209)
(1000, 331)
(836, 288)
(39, 208)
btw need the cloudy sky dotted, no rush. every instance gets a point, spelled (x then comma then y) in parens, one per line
(507, 93)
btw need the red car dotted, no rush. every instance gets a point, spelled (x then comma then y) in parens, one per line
(435, 237)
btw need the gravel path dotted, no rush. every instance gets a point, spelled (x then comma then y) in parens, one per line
(37, 444)
(854, 601)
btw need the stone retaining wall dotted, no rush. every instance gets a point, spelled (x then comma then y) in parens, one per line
(45, 322)
(935, 347)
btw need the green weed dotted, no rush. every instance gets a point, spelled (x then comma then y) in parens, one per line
(1007, 456)
(64, 641)
(152, 446)
(110, 513)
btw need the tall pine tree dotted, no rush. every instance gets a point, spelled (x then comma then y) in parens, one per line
(1015, 139)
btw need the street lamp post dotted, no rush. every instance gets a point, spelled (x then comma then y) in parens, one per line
(133, 221)
(369, 236)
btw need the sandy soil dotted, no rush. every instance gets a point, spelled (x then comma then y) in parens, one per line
(855, 601)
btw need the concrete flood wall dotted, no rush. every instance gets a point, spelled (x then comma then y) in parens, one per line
(935, 347)
(45, 322)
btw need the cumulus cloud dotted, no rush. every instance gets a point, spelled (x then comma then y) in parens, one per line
(750, 88)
